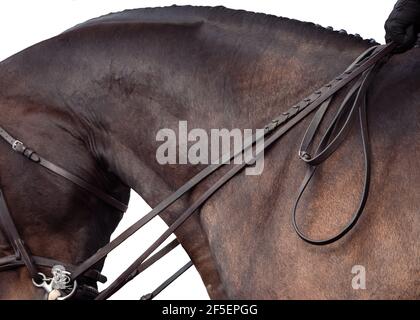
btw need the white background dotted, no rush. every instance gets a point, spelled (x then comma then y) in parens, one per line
(23, 23)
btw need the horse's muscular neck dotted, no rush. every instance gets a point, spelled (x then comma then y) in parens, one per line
(145, 70)
(148, 69)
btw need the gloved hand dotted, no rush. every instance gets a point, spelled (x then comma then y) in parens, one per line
(402, 26)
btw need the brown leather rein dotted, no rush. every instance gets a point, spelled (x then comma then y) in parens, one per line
(63, 283)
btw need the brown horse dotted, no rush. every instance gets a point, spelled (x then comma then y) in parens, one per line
(93, 98)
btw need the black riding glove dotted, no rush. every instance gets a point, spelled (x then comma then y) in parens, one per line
(403, 24)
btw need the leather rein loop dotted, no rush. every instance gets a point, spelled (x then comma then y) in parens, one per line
(354, 103)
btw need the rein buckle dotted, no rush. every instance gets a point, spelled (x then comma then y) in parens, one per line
(18, 146)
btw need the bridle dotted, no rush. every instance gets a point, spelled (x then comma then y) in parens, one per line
(69, 281)
(22, 256)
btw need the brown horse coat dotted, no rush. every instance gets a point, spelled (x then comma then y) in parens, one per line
(92, 100)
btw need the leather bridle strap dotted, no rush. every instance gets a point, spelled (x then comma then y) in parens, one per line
(126, 275)
(22, 255)
(9, 229)
(12, 262)
(154, 258)
(167, 282)
(276, 129)
(356, 101)
(30, 154)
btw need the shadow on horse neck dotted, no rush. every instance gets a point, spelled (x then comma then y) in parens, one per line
(93, 99)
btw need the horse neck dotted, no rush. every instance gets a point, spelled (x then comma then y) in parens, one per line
(216, 69)
(212, 75)
(121, 84)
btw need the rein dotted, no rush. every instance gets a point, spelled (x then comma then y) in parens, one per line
(63, 284)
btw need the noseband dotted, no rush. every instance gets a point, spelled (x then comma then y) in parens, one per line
(67, 280)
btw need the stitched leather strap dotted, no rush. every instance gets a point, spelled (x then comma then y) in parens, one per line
(356, 101)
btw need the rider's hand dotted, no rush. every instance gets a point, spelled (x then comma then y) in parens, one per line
(403, 24)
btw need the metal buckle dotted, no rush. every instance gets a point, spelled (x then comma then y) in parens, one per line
(59, 286)
(304, 156)
(18, 146)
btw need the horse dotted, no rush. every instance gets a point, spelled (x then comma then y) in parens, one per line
(93, 98)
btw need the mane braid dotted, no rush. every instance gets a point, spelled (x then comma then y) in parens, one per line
(175, 14)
